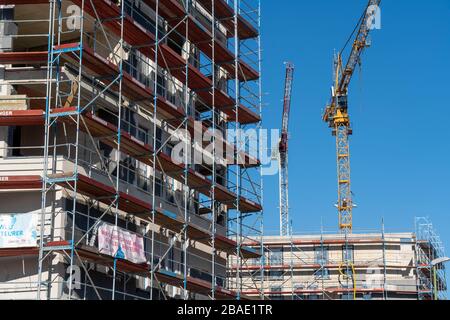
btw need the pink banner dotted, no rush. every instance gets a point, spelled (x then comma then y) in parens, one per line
(131, 244)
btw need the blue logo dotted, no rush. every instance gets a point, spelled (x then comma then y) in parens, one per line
(13, 222)
(120, 254)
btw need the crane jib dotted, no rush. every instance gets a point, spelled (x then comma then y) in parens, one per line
(358, 47)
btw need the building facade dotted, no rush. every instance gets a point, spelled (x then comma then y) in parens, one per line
(104, 191)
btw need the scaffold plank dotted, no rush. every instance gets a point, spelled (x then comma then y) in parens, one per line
(20, 182)
(18, 252)
(21, 117)
(31, 57)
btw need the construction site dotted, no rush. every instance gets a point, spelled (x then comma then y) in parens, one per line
(370, 265)
(107, 194)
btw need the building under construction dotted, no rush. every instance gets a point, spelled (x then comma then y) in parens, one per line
(127, 171)
(96, 98)
(383, 266)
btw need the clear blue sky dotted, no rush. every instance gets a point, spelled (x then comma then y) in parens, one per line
(398, 105)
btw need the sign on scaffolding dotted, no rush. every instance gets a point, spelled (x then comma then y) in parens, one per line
(119, 243)
(18, 230)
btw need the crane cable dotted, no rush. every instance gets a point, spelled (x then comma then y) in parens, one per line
(347, 277)
(353, 32)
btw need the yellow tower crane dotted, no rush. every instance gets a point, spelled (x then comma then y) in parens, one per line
(337, 116)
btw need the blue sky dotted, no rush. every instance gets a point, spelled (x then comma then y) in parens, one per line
(400, 152)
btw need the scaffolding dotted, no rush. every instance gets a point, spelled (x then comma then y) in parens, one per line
(384, 266)
(183, 68)
(431, 281)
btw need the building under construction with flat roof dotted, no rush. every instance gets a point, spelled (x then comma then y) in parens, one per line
(95, 99)
(383, 266)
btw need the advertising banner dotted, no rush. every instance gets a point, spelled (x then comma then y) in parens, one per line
(18, 230)
(119, 243)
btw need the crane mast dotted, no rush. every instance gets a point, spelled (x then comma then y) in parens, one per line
(283, 153)
(337, 116)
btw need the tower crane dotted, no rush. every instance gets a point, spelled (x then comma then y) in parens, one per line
(337, 116)
(283, 153)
